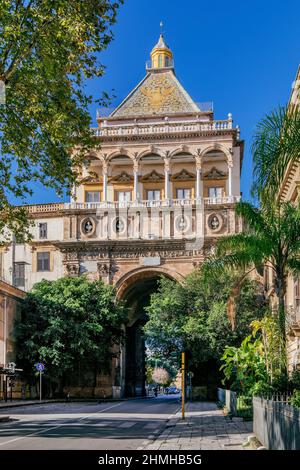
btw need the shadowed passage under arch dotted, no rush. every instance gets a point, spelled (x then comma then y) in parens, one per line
(137, 295)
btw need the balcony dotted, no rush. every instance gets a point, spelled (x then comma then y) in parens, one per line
(57, 207)
(165, 127)
(168, 66)
(147, 203)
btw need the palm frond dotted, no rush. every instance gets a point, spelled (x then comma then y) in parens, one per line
(258, 247)
(252, 216)
(276, 143)
(294, 266)
(234, 261)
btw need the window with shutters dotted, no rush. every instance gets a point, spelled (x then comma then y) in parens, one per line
(92, 196)
(19, 274)
(43, 261)
(215, 192)
(183, 193)
(153, 195)
(43, 230)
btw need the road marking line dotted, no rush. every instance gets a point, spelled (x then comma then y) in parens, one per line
(58, 426)
(127, 425)
(151, 426)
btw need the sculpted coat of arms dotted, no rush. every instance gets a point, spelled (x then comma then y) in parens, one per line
(157, 96)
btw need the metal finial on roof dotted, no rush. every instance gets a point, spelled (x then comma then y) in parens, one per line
(161, 28)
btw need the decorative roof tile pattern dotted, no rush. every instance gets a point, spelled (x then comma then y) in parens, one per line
(158, 93)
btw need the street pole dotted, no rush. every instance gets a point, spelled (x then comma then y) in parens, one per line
(183, 385)
(6, 380)
(40, 385)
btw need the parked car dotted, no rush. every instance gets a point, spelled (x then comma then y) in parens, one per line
(172, 390)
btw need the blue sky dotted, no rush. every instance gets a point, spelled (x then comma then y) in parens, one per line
(242, 55)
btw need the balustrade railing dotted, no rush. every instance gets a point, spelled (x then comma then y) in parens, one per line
(51, 207)
(107, 130)
(54, 207)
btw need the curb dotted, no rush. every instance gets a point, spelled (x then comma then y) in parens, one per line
(4, 419)
(170, 423)
(72, 400)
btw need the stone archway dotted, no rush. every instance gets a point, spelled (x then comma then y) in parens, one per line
(135, 289)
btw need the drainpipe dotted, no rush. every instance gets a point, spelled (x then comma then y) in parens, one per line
(4, 329)
(13, 258)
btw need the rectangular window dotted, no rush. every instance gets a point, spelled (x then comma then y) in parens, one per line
(215, 192)
(153, 195)
(92, 196)
(43, 230)
(124, 196)
(183, 193)
(19, 274)
(43, 261)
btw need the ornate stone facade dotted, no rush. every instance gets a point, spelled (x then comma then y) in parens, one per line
(290, 191)
(152, 201)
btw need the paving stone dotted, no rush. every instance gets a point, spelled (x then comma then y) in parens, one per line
(205, 428)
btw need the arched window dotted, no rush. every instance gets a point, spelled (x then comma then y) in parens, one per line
(160, 60)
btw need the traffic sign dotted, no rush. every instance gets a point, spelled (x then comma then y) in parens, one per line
(40, 367)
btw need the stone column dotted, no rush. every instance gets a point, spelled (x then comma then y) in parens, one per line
(135, 181)
(230, 179)
(199, 189)
(73, 197)
(167, 177)
(104, 174)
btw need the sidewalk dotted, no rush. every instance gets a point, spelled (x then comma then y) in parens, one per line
(16, 403)
(204, 428)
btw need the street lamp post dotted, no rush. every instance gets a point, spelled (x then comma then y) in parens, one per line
(40, 368)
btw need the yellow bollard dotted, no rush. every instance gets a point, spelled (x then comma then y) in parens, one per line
(183, 385)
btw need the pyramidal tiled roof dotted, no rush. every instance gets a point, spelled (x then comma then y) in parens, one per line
(158, 93)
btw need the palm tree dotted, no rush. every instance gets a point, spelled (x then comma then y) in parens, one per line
(271, 236)
(276, 144)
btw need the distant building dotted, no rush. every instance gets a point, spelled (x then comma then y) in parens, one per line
(10, 302)
(152, 201)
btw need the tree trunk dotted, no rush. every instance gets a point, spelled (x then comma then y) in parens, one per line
(281, 292)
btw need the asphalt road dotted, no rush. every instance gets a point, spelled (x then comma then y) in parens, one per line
(86, 426)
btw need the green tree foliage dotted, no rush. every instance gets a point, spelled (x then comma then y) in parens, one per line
(47, 50)
(255, 367)
(244, 367)
(68, 322)
(168, 363)
(267, 329)
(149, 372)
(271, 235)
(193, 316)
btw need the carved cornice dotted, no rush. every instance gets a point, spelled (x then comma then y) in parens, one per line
(183, 175)
(153, 177)
(72, 269)
(214, 174)
(91, 179)
(122, 178)
(109, 249)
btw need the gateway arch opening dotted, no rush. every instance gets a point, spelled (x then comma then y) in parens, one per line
(137, 297)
